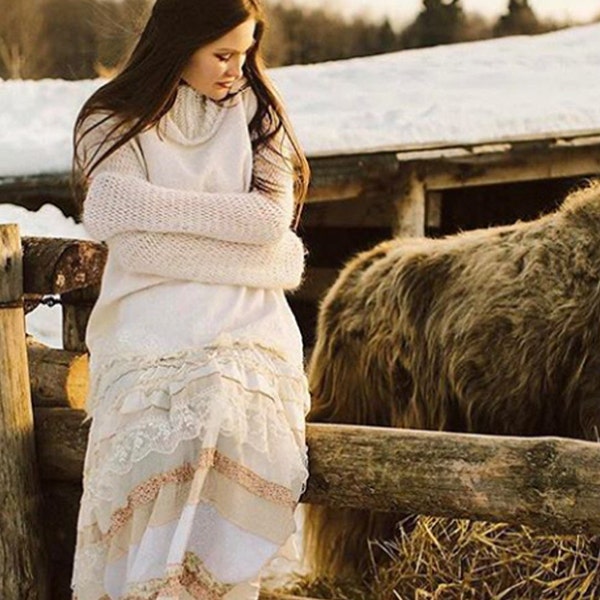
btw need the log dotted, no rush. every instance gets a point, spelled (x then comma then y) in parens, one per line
(57, 377)
(551, 484)
(23, 559)
(77, 306)
(61, 438)
(57, 265)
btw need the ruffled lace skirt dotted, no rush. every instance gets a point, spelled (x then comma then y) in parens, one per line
(194, 466)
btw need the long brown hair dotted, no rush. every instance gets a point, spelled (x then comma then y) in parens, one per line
(146, 87)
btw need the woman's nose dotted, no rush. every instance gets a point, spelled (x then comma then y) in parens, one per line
(235, 67)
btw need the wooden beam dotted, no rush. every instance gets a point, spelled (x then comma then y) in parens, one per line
(348, 177)
(23, 558)
(552, 484)
(410, 205)
(510, 168)
(56, 265)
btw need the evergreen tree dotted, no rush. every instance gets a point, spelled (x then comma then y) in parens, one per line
(439, 22)
(298, 36)
(519, 20)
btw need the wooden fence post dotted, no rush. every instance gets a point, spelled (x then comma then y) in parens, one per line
(23, 559)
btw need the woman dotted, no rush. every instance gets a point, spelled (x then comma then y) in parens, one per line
(196, 456)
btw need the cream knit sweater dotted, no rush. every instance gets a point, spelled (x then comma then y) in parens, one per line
(209, 229)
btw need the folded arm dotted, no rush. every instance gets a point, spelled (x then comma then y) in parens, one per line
(207, 260)
(117, 202)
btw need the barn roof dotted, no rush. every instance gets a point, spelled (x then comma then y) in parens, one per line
(463, 99)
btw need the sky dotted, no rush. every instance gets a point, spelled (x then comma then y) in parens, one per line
(403, 10)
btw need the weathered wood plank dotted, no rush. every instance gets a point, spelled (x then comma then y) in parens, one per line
(511, 167)
(347, 177)
(23, 560)
(58, 265)
(57, 377)
(549, 483)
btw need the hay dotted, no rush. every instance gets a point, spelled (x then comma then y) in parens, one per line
(451, 559)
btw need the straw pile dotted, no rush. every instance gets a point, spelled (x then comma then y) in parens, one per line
(450, 559)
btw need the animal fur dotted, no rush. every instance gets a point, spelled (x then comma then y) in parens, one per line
(489, 331)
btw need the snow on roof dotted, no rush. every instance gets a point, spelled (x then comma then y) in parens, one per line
(464, 93)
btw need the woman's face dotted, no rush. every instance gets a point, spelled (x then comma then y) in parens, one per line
(213, 69)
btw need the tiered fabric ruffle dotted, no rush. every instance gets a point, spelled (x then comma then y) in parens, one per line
(195, 463)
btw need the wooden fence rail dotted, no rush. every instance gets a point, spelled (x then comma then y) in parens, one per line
(548, 483)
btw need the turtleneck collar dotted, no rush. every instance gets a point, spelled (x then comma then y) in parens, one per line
(193, 118)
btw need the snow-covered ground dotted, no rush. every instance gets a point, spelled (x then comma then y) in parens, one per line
(475, 92)
(478, 92)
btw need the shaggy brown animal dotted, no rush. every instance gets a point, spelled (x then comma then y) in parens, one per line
(489, 331)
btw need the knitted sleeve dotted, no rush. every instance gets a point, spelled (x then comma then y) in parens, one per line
(126, 160)
(192, 257)
(117, 202)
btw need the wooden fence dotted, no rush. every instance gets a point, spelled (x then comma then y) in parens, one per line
(549, 483)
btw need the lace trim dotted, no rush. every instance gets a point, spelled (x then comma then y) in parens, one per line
(248, 479)
(147, 491)
(95, 551)
(175, 400)
(196, 415)
(191, 577)
(223, 353)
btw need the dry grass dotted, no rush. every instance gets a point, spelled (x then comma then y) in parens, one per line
(449, 559)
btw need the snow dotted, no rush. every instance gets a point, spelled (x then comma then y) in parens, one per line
(463, 93)
(481, 92)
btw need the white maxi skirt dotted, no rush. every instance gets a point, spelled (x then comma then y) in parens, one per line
(194, 466)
